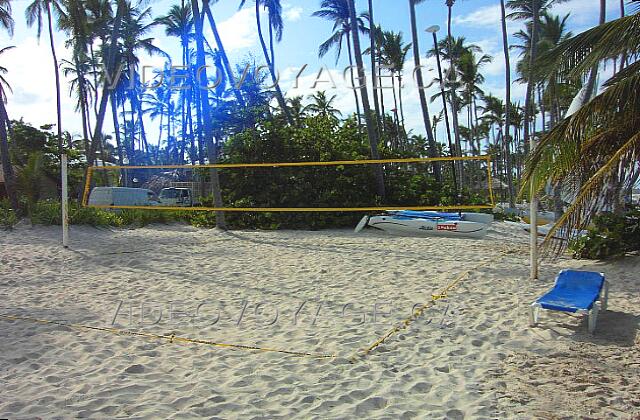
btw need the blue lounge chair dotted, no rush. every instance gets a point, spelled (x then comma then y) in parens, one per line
(581, 292)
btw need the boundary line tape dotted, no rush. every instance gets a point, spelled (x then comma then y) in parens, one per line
(171, 338)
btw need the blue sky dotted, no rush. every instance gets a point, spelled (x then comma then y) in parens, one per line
(30, 74)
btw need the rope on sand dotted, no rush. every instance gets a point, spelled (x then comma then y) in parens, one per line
(434, 299)
(171, 338)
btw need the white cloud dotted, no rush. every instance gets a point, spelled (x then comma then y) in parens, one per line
(292, 14)
(484, 16)
(585, 12)
(33, 82)
(237, 32)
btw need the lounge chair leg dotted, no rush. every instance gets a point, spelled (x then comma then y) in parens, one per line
(533, 314)
(593, 317)
(605, 297)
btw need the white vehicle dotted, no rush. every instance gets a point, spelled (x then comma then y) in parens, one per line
(121, 196)
(416, 223)
(180, 197)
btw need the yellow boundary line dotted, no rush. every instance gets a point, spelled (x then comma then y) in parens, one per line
(485, 158)
(170, 338)
(289, 164)
(293, 209)
(434, 298)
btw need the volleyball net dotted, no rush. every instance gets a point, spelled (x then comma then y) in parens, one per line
(465, 183)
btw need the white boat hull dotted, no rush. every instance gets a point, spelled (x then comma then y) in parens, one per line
(427, 227)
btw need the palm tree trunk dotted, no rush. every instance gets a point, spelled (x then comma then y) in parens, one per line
(591, 82)
(507, 106)
(395, 103)
(452, 98)
(5, 159)
(56, 72)
(433, 148)
(529, 99)
(204, 100)
(110, 65)
(371, 131)
(374, 79)
(400, 100)
(272, 70)
(116, 127)
(223, 55)
(271, 44)
(353, 80)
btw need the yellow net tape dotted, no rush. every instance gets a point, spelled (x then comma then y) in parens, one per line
(485, 158)
(434, 298)
(170, 338)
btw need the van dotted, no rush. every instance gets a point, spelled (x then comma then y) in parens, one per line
(121, 196)
(179, 197)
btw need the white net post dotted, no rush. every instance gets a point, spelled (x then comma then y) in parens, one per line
(533, 221)
(65, 201)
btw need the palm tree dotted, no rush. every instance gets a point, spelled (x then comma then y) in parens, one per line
(272, 70)
(6, 21)
(206, 111)
(179, 23)
(470, 78)
(374, 53)
(433, 149)
(109, 61)
(393, 54)
(371, 129)
(223, 53)
(599, 144)
(337, 11)
(530, 11)
(452, 71)
(507, 75)
(34, 14)
(323, 105)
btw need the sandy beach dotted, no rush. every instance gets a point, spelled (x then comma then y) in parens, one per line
(300, 310)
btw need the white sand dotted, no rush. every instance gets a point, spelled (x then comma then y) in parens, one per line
(472, 355)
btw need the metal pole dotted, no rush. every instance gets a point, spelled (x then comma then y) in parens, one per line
(65, 201)
(533, 224)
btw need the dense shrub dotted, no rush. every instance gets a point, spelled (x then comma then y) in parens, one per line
(8, 217)
(610, 236)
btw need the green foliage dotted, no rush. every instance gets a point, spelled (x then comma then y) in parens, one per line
(318, 138)
(611, 236)
(8, 217)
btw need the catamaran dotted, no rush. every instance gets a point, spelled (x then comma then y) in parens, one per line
(429, 223)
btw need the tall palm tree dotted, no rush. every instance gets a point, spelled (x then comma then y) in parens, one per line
(506, 135)
(371, 129)
(223, 53)
(206, 111)
(374, 53)
(452, 71)
(433, 149)
(470, 78)
(393, 54)
(599, 144)
(6, 22)
(337, 11)
(179, 23)
(274, 77)
(34, 14)
(530, 11)
(323, 105)
(109, 60)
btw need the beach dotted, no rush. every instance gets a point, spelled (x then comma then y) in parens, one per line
(275, 324)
